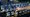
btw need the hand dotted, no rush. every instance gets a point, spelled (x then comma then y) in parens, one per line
(19, 8)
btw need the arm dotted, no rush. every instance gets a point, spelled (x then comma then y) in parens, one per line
(27, 8)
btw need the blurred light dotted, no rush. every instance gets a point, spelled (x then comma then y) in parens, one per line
(8, 14)
(11, 0)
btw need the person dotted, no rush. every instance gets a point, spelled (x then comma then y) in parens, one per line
(26, 8)
(23, 8)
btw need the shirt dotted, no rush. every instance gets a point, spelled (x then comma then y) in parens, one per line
(21, 4)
